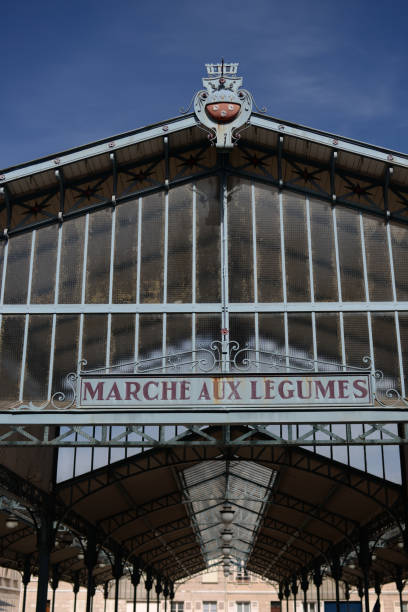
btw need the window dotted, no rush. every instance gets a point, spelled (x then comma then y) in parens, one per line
(177, 606)
(311, 606)
(209, 606)
(243, 606)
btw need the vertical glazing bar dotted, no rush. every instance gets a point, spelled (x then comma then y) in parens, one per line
(139, 249)
(314, 341)
(224, 268)
(136, 347)
(84, 262)
(52, 349)
(254, 242)
(166, 245)
(193, 338)
(257, 338)
(111, 271)
(194, 246)
(282, 239)
(164, 338)
(3, 280)
(389, 242)
(58, 266)
(336, 251)
(27, 317)
(309, 248)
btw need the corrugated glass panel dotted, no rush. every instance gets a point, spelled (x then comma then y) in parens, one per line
(242, 330)
(179, 258)
(178, 333)
(72, 252)
(125, 261)
(18, 265)
(151, 273)
(240, 242)
(94, 340)
(268, 244)
(385, 348)
(323, 252)
(208, 241)
(328, 340)
(300, 339)
(44, 266)
(378, 261)
(122, 347)
(399, 239)
(208, 328)
(403, 326)
(98, 262)
(11, 349)
(38, 357)
(151, 339)
(350, 255)
(296, 248)
(65, 351)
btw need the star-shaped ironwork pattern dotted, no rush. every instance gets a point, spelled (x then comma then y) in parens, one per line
(35, 209)
(140, 177)
(87, 193)
(190, 162)
(307, 175)
(359, 191)
(254, 160)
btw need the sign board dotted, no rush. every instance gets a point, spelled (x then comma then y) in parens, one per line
(212, 391)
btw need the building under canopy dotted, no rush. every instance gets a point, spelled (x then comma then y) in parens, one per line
(226, 248)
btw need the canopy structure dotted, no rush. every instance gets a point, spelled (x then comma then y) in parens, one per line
(223, 244)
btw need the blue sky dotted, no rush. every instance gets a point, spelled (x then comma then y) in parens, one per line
(74, 71)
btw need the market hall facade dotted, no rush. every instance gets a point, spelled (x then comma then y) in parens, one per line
(218, 251)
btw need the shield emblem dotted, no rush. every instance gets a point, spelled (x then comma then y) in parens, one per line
(223, 112)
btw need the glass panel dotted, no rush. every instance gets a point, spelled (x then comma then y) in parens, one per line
(242, 330)
(399, 240)
(122, 346)
(378, 262)
(65, 351)
(11, 349)
(385, 349)
(151, 339)
(403, 327)
(328, 340)
(208, 241)
(94, 340)
(98, 261)
(300, 339)
(38, 357)
(268, 245)
(208, 328)
(179, 259)
(240, 240)
(323, 252)
(178, 333)
(72, 251)
(18, 265)
(44, 267)
(272, 340)
(151, 273)
(125, 262)
(350, 255)
(296, 248)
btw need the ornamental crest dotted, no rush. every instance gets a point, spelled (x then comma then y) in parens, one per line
(223, 107)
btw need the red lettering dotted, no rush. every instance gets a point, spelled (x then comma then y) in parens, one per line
(204, 393)
(324, 390)
(269, 386)
(114, 393)
(216, 384)
(281, 389)
(254, 384)
(301, 394)
(146, 388)
(98, 391)
(343, 387)
(361, 386)
(234, 390)
(169, 386)
(185, 390)
(132, 389)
